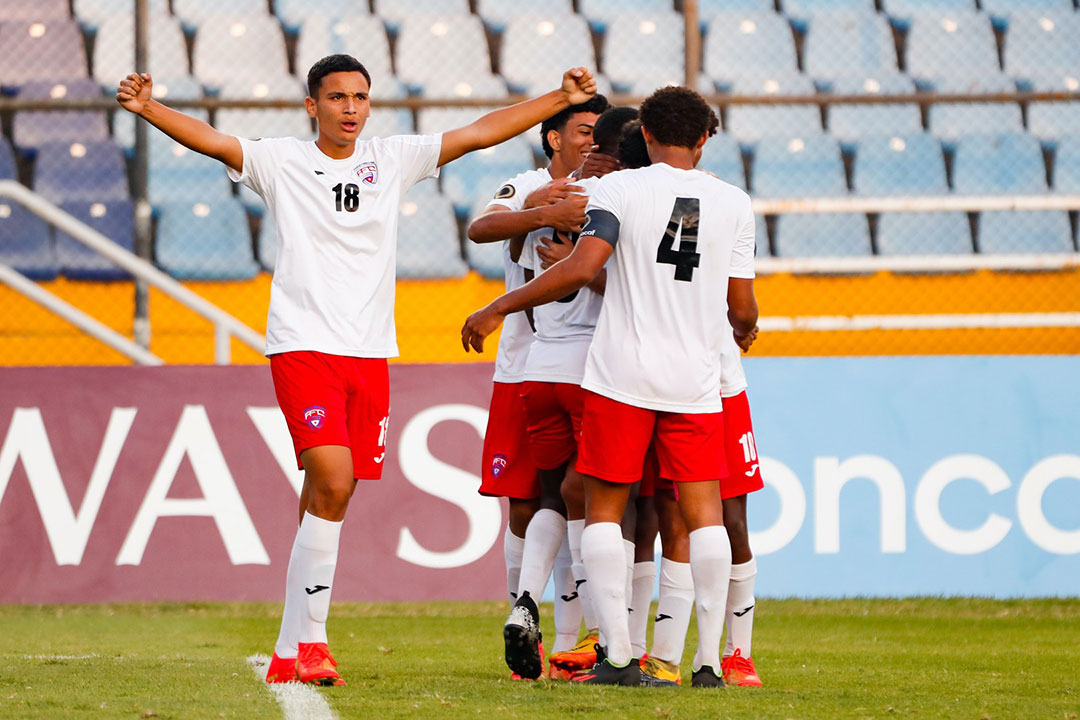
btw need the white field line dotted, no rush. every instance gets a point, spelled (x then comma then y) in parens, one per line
(297, 700)
(919, 322)
(91, 656)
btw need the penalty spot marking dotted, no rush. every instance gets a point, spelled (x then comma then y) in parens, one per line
(297, 700)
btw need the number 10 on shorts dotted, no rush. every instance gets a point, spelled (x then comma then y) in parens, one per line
(748, 447)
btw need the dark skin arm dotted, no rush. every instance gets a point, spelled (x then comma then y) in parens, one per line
(551, 251)
(742, 311)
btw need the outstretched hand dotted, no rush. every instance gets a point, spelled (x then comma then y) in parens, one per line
(478, 326)
(135, 92)
(579, 85)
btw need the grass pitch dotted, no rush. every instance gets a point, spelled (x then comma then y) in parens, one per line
(922, 658)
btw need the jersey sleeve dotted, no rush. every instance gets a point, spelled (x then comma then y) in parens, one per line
(607, 195)
(528, 258)
(261, 159)
(742, 254)
(512, 193)
(418, 155)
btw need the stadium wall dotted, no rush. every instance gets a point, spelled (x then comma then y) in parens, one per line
(885, 476)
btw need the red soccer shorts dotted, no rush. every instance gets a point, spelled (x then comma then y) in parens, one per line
(335, 400)
(507, 464)
(744, 475)
(553, 414)
(689, 446)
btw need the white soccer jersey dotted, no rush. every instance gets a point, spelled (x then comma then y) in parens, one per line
(662, 328)
(564, 328)
(337, 220)
(516, 335)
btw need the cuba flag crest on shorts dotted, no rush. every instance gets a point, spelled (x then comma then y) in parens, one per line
(315, 416)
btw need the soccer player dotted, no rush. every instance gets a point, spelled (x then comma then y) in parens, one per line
(682, 249)
(535, 199)
(331, 321)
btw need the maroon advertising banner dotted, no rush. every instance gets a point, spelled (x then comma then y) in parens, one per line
(180, 483)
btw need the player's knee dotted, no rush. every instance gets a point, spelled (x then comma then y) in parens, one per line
(521, 512)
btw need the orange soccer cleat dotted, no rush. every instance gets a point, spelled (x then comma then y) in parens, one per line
(580, 657)
(315, 665)
(281, 670)
(739, 671)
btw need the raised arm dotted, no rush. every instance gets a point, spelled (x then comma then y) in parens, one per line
(500, 125)
(134, 95)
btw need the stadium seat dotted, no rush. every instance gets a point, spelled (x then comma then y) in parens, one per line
(798, 167)
(115, 220)
(1025, 232)
(1067, 165)
(1041, 43)
(721, 157)
(92, 13)
(822, 235)
(484, 258)
(114, 49)
(25, 243)
(385, 122)
(1003, 11)
(899, 165)
(362, 36)
(239, 47)
(1050, 121)
(293, 14)
(41, 51)
(177, 174)
(30, 10)
(266, 244)
(955, 45)
(205, 241)
(901, 12)
(645, 83)
(257, 123)
(804, 12)
(395, 12)
(998, 165)
(601, 13)
(196, 13)
(90, 171)
(848, 123)
(924, 233)
(539, 48)
(849, 43)
(475, 86)
(749, 123)
(738, 43)
(950, 121)
(165, 88)
(497, 14)
(479, 174)
(442, 119)
(637, 44)
(428, 238)
(761, 237)
(707, 9)
(429, 46)
(7, 161)
(32, 128)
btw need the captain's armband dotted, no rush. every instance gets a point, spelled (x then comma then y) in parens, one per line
(603, 225)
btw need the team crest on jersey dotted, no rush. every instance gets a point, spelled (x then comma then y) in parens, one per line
(506, 191)
(368, 172)
(315, 416)
(498, 464)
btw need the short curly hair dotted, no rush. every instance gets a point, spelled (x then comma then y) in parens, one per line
(677, 115)
(632, 150)
(609, 128)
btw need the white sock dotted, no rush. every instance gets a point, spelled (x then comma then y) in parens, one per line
(605, 564)
(710, 564)
(628, 549)
(289, 634)
(574, 529)
(740, 608)
(543, 538)
(673, 611)
(513, 547)
(567, 607)
(640, 603)
(310, 577)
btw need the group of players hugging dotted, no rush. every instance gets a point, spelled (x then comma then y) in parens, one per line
(619, 408)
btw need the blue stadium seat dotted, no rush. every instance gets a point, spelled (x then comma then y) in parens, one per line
(924, 233)
(822, 235)
(1003, 11)
(1025, 232)
(395, 12)
(497, 14)
(638, 44)
(1041, 43)
(90, 171)
(601, 13)
(748, 42)
(850, 122)
(32, 128)
(998, 165)
(901, 12)
(474, 86)
(457, 41)
(951, 45)
(204, 241)
(484, 258)
(750, 123)
(849, 43)
(40, 50)
(722, 158)
(362, 36)
(539, 48)
(196, 13)
(808, 166)
(477, 175)
(258, 123)
(1050, 121)
(442, 119)
(165, 88)
(7, 161)
(385, 122)
(115, 220)
(950, 121)
(266, 244)
(294, 13)
(25, 243)
(239, 47)
(1067, 165)
(33, 10)
(92, 13)
(804, 12)
(114, 49)
(900, 165)
(428, 238)
(761, 237)
(707, 9)
(179, 175)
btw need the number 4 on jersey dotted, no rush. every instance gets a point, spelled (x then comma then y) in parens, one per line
(685, 214)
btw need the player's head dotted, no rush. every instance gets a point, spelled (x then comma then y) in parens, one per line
(678, 117)
(609, 128)
(339, 88)
(569, 133)
(633, 153)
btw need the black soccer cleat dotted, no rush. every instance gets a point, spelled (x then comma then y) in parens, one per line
(706, 677)
(521, 635)
(604, 673)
